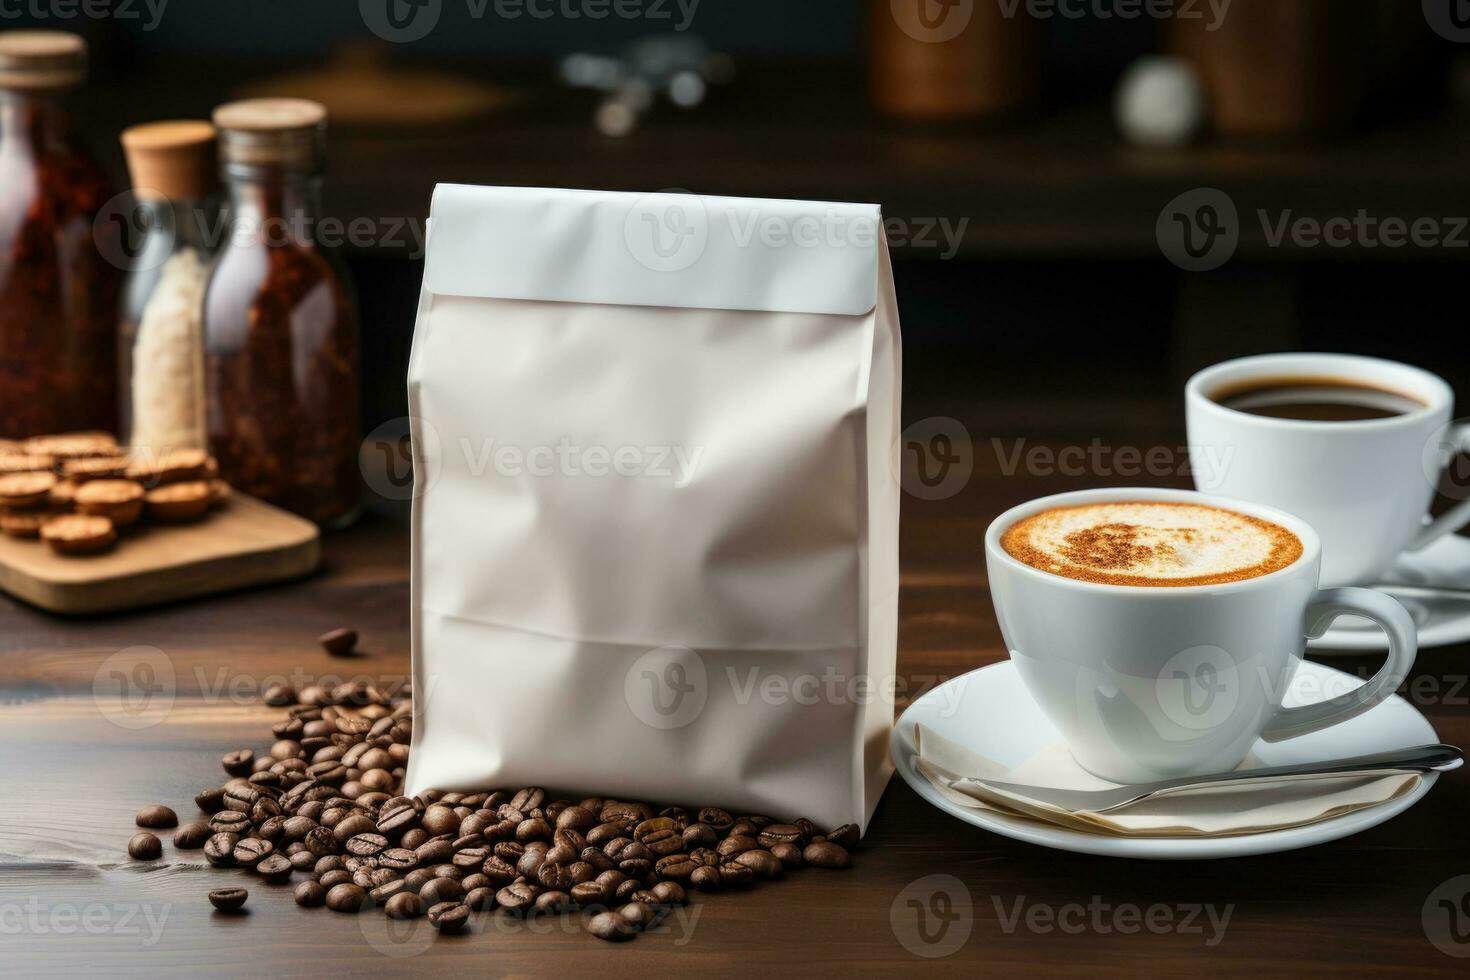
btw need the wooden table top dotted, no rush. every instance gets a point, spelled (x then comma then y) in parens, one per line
(71, 901)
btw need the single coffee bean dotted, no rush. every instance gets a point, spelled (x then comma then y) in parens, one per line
(381, 894)
(846, 836)
(351, 826)
(192, 835)
(439, 820)
(145, 847)
(238, 763)
(611, 926)
(734, 875)
(552, 903)
(481, 899)
(275, 869)
(826, 854)
(736, 844)
(346, 898)
(366, 845)
(762, 862)
(404, 905)
(675, 867)
(706, 879)
(310, 894)
(211, 801)
(303, 860)
(470, 857)
(789, 855)
(535, 828)
(591, 893)
(529, 798)
(781, 833)
(398, 859)
(252, 850)
(576, 818)
(335, 877)
(700, 835)
(339, 642)
(230, 822)
(516, 897)
(442, 890)
(720, 820)
(156, 816)
(639, 915)
(228, 899)
(448, 917)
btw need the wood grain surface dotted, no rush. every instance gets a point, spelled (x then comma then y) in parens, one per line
(245, 542)
(80, 753)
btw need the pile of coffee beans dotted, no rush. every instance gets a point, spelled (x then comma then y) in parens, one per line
(324, 803)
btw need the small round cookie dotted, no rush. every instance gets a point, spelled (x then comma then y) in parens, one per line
(121, 501)
(170, 467)
(94, 468)
(74, 445)
(178, 501)
(20, 490)
(78, 534)
(25, 463)
(23, 523)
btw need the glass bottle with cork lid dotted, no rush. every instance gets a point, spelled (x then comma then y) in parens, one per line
(60, 267)
(280, 322)
(175, 176)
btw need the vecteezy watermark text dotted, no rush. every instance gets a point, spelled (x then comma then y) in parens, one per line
(34, 917)
(1213, 11)
(150, 12)
(1104, 918)
(406, 21)
(1208, 464)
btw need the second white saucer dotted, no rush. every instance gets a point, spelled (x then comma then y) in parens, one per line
(1444, 564)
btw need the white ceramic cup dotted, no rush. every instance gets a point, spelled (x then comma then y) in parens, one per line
(1150, 683)
(1365, 486)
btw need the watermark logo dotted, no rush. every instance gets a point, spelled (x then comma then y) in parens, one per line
(933, 917)
(124, 228)
(1449, 18)
(1198, 689)
(125, 919)
(401, 21)
(397, 938)
(1445, 461)
(1199, 230)
(932, 21)
(1446, 917)
(135, 687)
(387, 458)
(667, 231)
(935, 457)
(667, 687)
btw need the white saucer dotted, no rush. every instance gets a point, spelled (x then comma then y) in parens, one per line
(1445, 564)
(989, 711)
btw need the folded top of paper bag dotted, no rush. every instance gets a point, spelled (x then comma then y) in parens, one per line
(1221, 810)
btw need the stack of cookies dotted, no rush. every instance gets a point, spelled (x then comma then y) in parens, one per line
(77, 490)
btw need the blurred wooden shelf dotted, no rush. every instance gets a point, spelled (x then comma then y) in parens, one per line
(1061, 185)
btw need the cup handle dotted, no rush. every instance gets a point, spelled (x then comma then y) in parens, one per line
(1457, 516)
(1403, 644)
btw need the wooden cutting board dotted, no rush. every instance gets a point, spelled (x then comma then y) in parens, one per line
(244, 542)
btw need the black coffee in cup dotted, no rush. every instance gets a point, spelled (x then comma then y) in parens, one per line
(1316, 399)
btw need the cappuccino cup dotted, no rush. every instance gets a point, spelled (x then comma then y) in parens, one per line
(1363, 480)
(1159, 630)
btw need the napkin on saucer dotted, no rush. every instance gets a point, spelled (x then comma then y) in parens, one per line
(1215, 811)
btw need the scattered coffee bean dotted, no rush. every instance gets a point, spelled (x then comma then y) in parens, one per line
(339, 642)
(441, 890)
(228, 899)
(826, 854)
(310, 894)
(275, 869)
(145, 847)
(157, 816)
(845, 836)
(239, 763)
(639, 915)
(612, 927)
(193, 835)
(448, 917)
(219, 850)
(404, 905)
(346, 898)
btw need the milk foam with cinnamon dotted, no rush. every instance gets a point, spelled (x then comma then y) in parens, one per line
(1145, 543)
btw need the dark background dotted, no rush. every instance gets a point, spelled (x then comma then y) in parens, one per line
(1060, 294)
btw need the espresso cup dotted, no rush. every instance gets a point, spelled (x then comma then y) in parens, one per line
(1156, 682)
(1365, 486)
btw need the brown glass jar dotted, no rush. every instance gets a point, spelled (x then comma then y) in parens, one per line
(280, 323)
(59, 276)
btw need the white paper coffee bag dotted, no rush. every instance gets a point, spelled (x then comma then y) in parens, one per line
(655, 532)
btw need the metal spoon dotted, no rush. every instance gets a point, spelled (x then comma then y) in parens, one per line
(1420, 758)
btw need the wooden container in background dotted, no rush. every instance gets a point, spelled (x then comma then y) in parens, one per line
(1280, 67)
(933, 61)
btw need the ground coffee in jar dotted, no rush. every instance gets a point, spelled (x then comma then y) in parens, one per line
(280, 325)
(60, 268)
